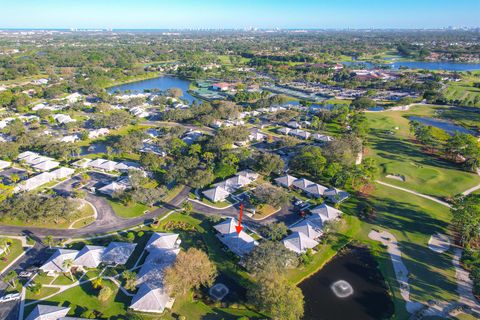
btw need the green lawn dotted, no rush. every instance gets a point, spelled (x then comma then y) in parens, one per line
(44, 292)
(84, 297)
(130, 211)
(14, 251)
(464, 92)
(396, 154)
(412, 220)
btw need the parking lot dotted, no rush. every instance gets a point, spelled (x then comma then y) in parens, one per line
(97, 180)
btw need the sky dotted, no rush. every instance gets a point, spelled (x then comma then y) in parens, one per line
(226, 14)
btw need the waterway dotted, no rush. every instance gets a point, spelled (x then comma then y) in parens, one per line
(162, 83)
(445, 125)
(370, 298)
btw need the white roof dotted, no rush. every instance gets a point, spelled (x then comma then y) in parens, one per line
(47, 312)
(316, 189)
(36, 160)
(55, 262)
(62, 172)
(151, 299)
(4, 164)
(162, 241)
(311, 230)
(240, 244)
(299, 242)
(89, 256)
(325, 213)
(27, 154)
(35, 182)
(302, 183)
(286, 180)
(82, 163)
(216, 194)
(118, 252)
(46, 165)
(111, 188)
(227, 226)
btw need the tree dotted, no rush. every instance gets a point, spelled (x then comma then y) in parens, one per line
(10, 278)
(272, 195)
(266, 163)
(105, 294)
(15, 178)
(466, 217)
(67, 265)
(275, 231)
(97, 283)
(201, 177)
(270, 256)
(187, 207)
(49, 241)
(274, 294)
(309, 160)
(362, 103)
(130, 278)
(175, 92)
(191, 270)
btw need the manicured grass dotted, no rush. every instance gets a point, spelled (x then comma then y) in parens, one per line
(397, 154)
(464, 92)
(65, 280)
(412, 220)
(43, 279)
(44, 292)
(219, 204)
(84, 297)
(172, 193)
(264, 211)
(14, 251)
(130, 211)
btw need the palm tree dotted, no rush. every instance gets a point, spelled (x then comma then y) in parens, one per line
(130, 278)
(97, 283)
(10, 278)
(15, 178)
(49, 241)
(67, 264)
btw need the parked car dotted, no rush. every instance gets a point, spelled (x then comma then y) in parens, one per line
(25, 274)
(10, 297)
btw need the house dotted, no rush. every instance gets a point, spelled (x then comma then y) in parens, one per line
(46, 165)
(118, 253)
(94, 134)
(321, 137)
(74, 97)
(63, 118)
(89, 256)
(36, 160)
(336, 195)
(294, 125)
(216, 194)
(82, 163)
(308, 228)
(302, 184)
(239, 243)
(102, 164)
(302, 134)
(70, 139)
(257, 136)
(112, 188)
(284, 130)
(151, 299)
(48, 312)
(62, 173)
(191, 137)
(55, 263)
(152, 296)
(4, 164)
(324, 213)
(27, 155)
(285, 181)
(298, 242)
(34, 182)
(139, 112)
(316, 190)
(221, 86)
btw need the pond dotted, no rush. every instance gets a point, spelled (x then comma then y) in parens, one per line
(162, 83)
(445, 125)
(426, 65)
(363, 293)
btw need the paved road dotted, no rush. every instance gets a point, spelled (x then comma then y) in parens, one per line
(107, 221)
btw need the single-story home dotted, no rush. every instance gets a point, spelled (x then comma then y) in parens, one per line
(324, 213)
(89, 256)
(55, 263)
(48, 312)
(239, 243)
(118, 253)
(299, 242)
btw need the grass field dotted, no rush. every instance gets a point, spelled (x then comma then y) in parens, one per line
(389, 143)
(412, 220)
(129, 211)
(15, 250)
(464, 91)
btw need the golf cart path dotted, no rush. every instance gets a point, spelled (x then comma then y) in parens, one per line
(443, 203)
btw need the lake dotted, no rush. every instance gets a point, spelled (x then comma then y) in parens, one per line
(370, 299)
(427, 65)
(162, 83)
(445, 125)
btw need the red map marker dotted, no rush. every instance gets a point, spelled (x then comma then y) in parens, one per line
(239, 227)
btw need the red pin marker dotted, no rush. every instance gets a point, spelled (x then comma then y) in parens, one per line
(239, 227)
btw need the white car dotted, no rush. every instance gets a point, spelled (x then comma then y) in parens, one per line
(10, 297)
